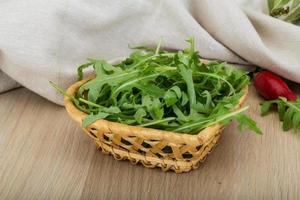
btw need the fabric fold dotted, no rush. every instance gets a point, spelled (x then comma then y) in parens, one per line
(7, 83)
(42, 45)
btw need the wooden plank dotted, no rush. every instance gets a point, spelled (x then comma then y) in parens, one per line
(45, 155)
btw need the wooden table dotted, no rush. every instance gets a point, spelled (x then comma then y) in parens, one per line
(45, 155)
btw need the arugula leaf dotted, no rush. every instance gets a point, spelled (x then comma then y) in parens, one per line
(287, 10)
(172, 96)
(139, 114)
(150, 89)
(92, 118)
(289, 112)
(265, 107)
(106, 74)
(187, 75)
(245, 121)
(81, 68)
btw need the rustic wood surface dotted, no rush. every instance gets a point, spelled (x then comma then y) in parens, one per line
(45, 155)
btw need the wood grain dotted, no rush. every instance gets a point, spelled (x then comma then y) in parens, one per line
(45, 155)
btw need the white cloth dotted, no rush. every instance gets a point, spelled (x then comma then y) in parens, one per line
(6, 83)
(43, 41)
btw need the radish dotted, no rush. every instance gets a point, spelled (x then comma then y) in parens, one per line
(271, 86)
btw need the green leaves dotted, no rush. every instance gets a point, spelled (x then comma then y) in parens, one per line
(187, 76)
(139, 114)
(287, 10)
(245, 121)
(265, 107)
(106, 74)
(289, 112)
(172, 96)
(92, 118)
(171, 91)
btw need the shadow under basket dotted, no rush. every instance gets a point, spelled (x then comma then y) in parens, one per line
(151, 147)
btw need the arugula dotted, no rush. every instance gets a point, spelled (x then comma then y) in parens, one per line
(172, 91)
(287, 10)
(289, 112)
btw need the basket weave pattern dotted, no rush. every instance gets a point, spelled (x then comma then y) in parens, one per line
(151, 147)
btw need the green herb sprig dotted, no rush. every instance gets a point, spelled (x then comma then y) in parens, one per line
(289, 112)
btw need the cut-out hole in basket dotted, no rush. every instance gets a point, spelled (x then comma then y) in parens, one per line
(146, 145)
(125, 142)
(92, 134)
(187, 155)
(158, 155)
(105, 138)
(141, 152)
(198, 147)
(167, 149)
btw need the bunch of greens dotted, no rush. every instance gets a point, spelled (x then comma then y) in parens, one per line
(287, 10)
(173, 91)
(289, 112)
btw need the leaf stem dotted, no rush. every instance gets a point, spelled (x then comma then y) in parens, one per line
(214, 120)
(142, 61)
(159, 121)
(291, 105)
(89, 103)
(131, 82)
(60, 90)
(158, 47)
(229, 115)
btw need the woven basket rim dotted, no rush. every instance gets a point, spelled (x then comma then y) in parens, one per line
(201, 138)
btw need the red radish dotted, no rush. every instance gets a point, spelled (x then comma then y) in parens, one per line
(271, 86)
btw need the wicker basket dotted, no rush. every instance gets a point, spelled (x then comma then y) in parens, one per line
(151, 147)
